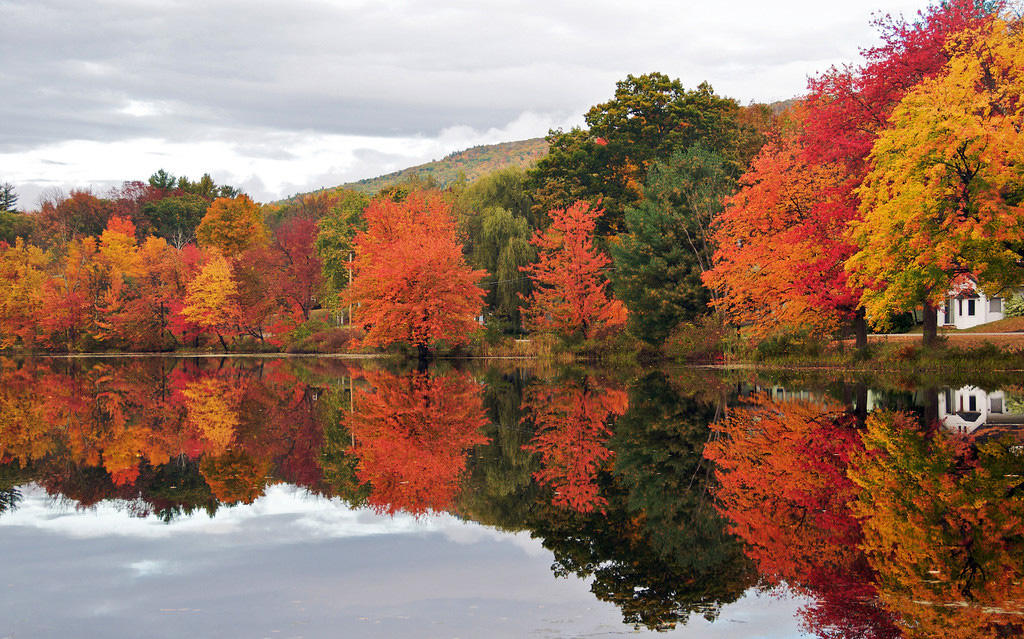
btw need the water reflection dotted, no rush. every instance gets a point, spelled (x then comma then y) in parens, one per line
(889, 511)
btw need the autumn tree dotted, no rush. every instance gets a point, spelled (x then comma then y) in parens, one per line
(298, 270)
(411, 282)
(943, 197)
(781, 246)
(210, 299)
(22, 281)
(81, 214)
(232, 225)
(572, 427)
(412, 434)
(803, 189)
(569, 294)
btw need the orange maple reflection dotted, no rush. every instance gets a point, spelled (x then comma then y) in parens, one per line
(571, 421)
(781, 468)
(412, 435)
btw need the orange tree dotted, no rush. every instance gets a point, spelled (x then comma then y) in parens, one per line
(232, 224)
(569, 288)
(412, 283)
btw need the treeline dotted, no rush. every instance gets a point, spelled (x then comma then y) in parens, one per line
(154, 266)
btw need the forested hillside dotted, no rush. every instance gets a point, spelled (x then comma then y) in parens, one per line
(470, 164)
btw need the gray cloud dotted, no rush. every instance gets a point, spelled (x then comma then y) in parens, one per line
(120, 70)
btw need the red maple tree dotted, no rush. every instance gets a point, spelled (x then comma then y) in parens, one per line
(569, 288)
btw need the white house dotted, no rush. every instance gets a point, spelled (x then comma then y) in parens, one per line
(971, 411)
(967, 306)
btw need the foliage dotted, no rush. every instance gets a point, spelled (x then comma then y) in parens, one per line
(783, 486)
(944, 194)
(660, 260)
(210, 298)
(1014, 306)
(569, 296)
(780, 247)
(176, 218)
(412, 434)
(942, 528)
(8, 198)
(334, 241)
(232, 225)
(411, 282)
(650, 117)
(571, 427)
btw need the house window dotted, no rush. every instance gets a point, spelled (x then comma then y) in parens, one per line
(972, 404)
(960, 307)
(970, 307)
(995, 305)
(997, 404)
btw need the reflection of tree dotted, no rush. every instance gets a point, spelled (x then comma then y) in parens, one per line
(657, 548)
(781, 467)
(943, 528)
(136, 430)
(212, 410)
(659, 447)
(500, 490)
(235, 476)
(412, 434)
(570, 420)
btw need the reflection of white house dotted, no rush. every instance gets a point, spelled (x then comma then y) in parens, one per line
(972, 411)
(966, 306)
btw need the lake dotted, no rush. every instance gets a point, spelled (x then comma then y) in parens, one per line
(324, 497)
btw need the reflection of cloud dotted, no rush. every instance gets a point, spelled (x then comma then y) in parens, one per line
(296, 516)
(149, 567)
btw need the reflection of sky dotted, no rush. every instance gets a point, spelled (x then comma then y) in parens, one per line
(295, 565)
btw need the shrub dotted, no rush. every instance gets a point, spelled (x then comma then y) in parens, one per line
(1014, 306)
(702, 341)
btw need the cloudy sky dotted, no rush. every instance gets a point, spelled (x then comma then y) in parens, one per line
(281, 97)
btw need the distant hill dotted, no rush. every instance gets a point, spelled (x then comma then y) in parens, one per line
(472, 163)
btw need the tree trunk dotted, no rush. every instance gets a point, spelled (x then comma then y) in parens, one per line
(860, 328)
(860, 410)
(931, 324)
(223, 344)
(423, 356)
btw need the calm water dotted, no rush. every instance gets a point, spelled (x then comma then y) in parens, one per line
(172, 497)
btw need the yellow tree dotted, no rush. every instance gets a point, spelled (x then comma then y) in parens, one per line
(210, 300)
(231, 225)
(22, 277)
(943, 197)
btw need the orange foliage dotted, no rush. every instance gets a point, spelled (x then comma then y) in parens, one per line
(571, 421)
(412, 433)
(411, 282)
(569, 287)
